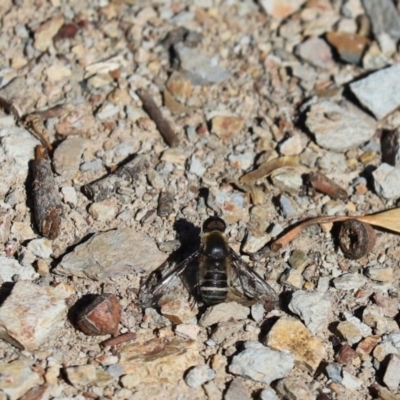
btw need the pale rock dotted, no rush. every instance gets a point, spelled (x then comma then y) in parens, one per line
(288, 207)
(187, 331)
(255, 243)
(158, 360)
(339, 127)
(18, 377)
(288, 179)
(313, 308)
(380, 274)
(10, 267)
(290, 335)
(26, 257)
(105, 210)
(174, 155)
(25, 323)
(241, 161)
(57, 73)
(374, 59)
(199, 375)
(299, 260)
(197, 67)
(110, 254)
(177, 310)
(293, 278)
(18, 145)
(261, 363)
(237, 390)
(334, 371)
(227, 126)
(83, 375)
(374, 318)
(257, 311)
(350, 332)
(268, 394)
(332, 162)
(5, 225)
(226, 330)
(364, 329)
(294, 145)
(294, 389)
(45, 33)
(196, 166)
(383, 349)
(350, 382)
(67, 156)
(316, 51)
(281, 9)
(69, 195)
(224, 312)
(387, 181)
(350, 281)
(40, 247)
(379, 91)
(107, 111)
(392, 373)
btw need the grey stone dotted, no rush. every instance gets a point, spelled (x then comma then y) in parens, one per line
(313, 308)
(111, 253)
(198, 376)
(10, 267)
(339, 127)
(261, 364)
(387, 181)
(349, 281)
(91, 165)
(237, 390)
(350, 382)
(332, 162)
(317, 52)
(106, 111)
(200, 69)
(67, 156)
(268, 394)
(384, 17)
(288, 207)
(196, 166)
(69, 195)
(40, 247)
(379, 91)
(392, 373)
(334, 372)
(224, 312)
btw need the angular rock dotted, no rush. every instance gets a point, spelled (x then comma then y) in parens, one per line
(380, 274)
(350, 382)
(290, 335)
(295, 389)
(379, 91)
(200, 69)
(281, 8)
(199, 375)
(67, 156)
(109, 254)
(18, 377)
(350, 281)
(293, 278)
(294, 145)
(237, 390)
(40, 247)
(313, 308)
(392, 373)
(339, 128)
(349, 332)
(223, 312)
(288, 207)
(384, 17)
(316, 51)
(105, 210)
(261, 364)
(268, 394)
(390, 144)
(158, 360)
(45, 33)
(25, 323)
(226, 126)
(10, 267)
(83, 375)
(387, 181)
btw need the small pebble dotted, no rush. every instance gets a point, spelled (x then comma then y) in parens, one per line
(40, 247)
(69, 195)
(198, 376)
(387, 181)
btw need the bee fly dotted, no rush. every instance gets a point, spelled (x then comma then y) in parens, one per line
(221, 272)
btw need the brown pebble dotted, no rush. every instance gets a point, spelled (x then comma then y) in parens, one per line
(101, 316)
(345, 354)
(367, 345)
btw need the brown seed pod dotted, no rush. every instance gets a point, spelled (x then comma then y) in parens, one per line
(101, 316)
(356, 239)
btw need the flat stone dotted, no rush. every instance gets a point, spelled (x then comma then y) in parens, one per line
(223, 312)
(105, 210)
(109, 254)
(350, 332)
(196, 166)
(316, 52)
(25, 323)
(295, 389)
(387, 181)
(67, 156)
(294, 145)
(10, 267)
(288, 179)
(379, 91)
(83, 375)
(288, 207)
(199, 375)
(226, 126)
(237, 390)
(350, 281)
(158, 360)
(281, 9)
(392, 373)
(22, 231)
(45, 33)
(187, 331)
(380, 274)
(69, 195)
(40, 247)
(290, 335)
(350, 382)
(261, 363)
(383, 349)
(293, 278)
(339, 128)
(18, 377)
(350, 46)
(313, 308)
(177, 310)
(197, 67)
(384, 17)
(255, 243)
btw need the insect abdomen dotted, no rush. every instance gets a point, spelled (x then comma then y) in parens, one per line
(214, 287)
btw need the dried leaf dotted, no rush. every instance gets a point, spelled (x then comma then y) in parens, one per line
(266, 168)
(389, 220)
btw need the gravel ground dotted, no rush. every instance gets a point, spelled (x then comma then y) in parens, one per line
(157, 115)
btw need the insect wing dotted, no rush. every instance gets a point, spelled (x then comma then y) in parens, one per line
(250, 283)
(161, 287)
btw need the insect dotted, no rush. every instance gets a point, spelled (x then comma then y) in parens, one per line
(221, 274)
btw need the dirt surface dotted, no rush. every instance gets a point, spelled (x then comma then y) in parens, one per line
(240, 83)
